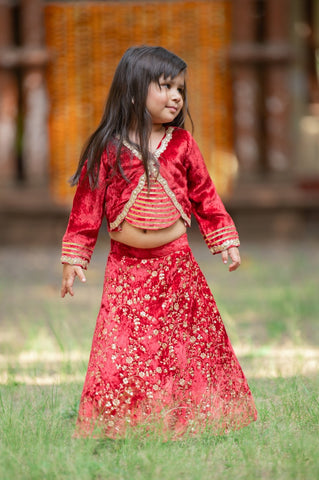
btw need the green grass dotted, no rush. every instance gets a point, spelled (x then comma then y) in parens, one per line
(37, 423)
(271, 311)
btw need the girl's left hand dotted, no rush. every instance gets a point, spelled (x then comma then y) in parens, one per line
(233, 253)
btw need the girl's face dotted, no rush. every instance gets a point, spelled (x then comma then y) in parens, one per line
(165, 99)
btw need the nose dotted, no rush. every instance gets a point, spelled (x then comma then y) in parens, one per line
(176, 95)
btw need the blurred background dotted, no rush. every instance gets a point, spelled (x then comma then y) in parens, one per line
(254, 99)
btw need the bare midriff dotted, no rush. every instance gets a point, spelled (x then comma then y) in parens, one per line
(139, 238)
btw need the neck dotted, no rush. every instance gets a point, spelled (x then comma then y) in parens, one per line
(158, 128)
(156, 137)
(157, 132)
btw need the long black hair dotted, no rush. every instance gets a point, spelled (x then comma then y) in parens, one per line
(125, 108)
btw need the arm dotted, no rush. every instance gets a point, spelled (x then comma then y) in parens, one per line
(215, 224)
(81, 234)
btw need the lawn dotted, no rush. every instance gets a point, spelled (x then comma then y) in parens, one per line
(270, 308)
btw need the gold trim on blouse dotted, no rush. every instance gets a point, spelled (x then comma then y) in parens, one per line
(222, 239)
(153, 209)
(142, 184)
(162, 147)
(74, 261)
(76, 254)
(225, 245)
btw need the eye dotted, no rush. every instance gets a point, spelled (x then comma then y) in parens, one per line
(166, 85)
(181, 90)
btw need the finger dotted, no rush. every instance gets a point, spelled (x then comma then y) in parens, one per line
(70, 291)
(69, 285)
(63, 288)
(66, 289)
(80, 274)
(225, 256)
(233, 266)
(235, 256)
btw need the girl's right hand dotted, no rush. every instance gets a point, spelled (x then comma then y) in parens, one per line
(68, 277)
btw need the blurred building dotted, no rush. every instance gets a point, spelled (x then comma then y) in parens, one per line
(254, 99)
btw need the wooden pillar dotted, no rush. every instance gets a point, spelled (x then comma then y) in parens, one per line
(8, 101)
(277, 88)
(246, 88)
(35, 136)
(315, 28)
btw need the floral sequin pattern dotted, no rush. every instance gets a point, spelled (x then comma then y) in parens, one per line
(160, 353)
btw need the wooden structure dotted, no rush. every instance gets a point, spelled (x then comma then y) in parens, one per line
(8, 97)
(89, 39)
(253, 86)
(23, 98)
(262, 55)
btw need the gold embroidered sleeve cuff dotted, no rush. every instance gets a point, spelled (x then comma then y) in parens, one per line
(79, 262)
(222, 239)
(224, 246)
(76, 254)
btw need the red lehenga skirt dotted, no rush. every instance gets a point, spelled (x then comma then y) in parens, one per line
(161, 358)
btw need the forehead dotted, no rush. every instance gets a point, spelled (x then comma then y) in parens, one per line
(180, 78)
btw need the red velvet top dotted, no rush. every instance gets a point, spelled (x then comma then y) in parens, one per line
(182, 174)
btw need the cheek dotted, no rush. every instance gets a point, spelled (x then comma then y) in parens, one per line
(160, 99)
(153, 98)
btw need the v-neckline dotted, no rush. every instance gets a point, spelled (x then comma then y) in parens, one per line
(159, 149)
(160, 142)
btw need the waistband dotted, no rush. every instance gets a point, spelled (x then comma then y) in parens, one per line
(121, 249)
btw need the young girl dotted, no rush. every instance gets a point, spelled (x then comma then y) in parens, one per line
(160, 354)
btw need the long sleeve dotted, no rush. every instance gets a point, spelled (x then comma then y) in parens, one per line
(85, 220)
(215, 224)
